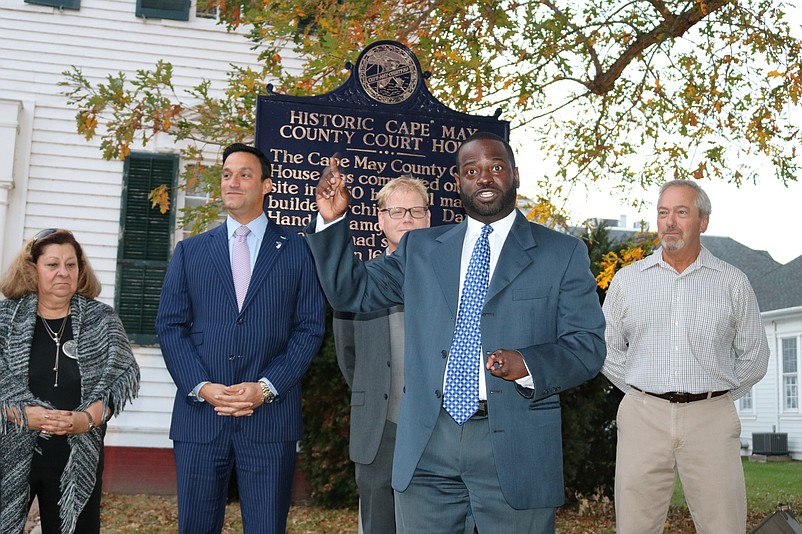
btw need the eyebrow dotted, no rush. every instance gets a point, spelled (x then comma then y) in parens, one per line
(473, 161)
(242, 168)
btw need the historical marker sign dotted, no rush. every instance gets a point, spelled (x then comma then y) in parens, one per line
(383, 123)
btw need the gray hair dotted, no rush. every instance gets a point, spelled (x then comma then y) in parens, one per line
(702, 200)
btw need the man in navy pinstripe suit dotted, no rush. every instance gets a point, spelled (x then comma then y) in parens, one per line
(237, 355)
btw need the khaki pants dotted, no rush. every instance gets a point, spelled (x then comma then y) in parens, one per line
(699, 440)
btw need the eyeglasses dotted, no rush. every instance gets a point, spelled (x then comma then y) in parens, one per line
(43, 234)
(417, 212)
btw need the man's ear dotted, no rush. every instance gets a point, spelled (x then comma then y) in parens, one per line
(455, 175)
(267, 186)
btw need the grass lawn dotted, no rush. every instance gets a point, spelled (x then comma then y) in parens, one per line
(767, 485)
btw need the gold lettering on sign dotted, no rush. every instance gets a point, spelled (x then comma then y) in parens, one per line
(331, 120)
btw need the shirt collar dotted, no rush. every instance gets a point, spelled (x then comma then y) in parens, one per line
(256, 226)
(500, 228)
(704, 259)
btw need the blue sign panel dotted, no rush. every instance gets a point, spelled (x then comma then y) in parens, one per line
(382, 123)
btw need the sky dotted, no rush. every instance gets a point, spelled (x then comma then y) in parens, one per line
(766, 216)
(763, 216)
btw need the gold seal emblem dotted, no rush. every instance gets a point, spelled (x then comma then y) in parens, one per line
(388, 74)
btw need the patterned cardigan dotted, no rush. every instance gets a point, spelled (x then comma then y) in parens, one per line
(109, 373)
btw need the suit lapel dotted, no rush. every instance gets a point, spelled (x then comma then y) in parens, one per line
(514, 256)
(447, 256)
(220, 259)
(274, 244)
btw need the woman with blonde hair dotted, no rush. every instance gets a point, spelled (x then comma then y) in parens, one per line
(65, 366)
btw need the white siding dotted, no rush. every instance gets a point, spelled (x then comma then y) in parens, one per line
(60, 179)
(145, 422)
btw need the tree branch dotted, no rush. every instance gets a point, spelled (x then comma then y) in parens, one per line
(594, 56)
(671, 27)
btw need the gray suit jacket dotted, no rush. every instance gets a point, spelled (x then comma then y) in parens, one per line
(541, 301)
(362, 341)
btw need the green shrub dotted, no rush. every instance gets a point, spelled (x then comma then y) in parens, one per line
(326, 406)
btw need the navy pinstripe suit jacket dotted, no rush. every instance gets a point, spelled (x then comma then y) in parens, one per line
(204, 337)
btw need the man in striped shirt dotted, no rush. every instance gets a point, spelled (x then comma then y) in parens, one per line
(684, 339)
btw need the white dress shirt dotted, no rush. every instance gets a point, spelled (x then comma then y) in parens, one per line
(496, 239)
(696, 331)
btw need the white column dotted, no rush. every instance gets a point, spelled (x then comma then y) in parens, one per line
(10, 111)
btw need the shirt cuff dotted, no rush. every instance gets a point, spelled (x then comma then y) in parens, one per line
(195, 393)
(526, 382)
(321, 225)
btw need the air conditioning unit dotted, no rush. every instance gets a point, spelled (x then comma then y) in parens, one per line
(770, 443)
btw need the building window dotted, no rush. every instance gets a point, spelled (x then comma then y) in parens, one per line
(206, 9)
(61, 4)
(790, 370)
(163, 9)
(144, 248)
(747, 402)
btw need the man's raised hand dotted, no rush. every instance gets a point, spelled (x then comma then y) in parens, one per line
(332, 195)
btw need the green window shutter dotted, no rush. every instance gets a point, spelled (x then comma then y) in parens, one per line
(163, 9)
(144, 248)
(63, 4)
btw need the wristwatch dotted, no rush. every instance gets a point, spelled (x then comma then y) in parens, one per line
(91, 419)
(266, 393)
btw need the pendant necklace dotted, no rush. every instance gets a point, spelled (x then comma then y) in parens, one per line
(56, 337)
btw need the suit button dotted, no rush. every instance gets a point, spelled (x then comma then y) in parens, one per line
(438, 393)
(388, 364)
(231, 357)
(239, 320)
(385, 396)
(444, 353)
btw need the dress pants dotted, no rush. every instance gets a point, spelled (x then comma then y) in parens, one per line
(45, 480)
(376, 502)
(700, 441)
(264, 475)
(455, 487)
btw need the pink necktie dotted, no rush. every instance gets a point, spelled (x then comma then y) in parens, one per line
(241, 264)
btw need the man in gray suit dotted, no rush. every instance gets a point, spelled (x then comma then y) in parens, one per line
(479, 437)
(370, 352)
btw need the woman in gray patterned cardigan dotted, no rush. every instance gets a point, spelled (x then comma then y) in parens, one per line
(65, 367)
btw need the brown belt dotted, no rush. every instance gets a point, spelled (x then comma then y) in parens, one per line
(676, 396)
(482, 411)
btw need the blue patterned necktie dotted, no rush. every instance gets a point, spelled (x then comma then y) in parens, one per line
(461, 396)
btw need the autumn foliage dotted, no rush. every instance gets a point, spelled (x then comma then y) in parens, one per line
(633, 92)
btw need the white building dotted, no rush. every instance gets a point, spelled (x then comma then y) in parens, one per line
(52, 177)
(775, 403)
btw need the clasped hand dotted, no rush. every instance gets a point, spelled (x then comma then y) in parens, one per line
(237, 400)
(56, 422)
